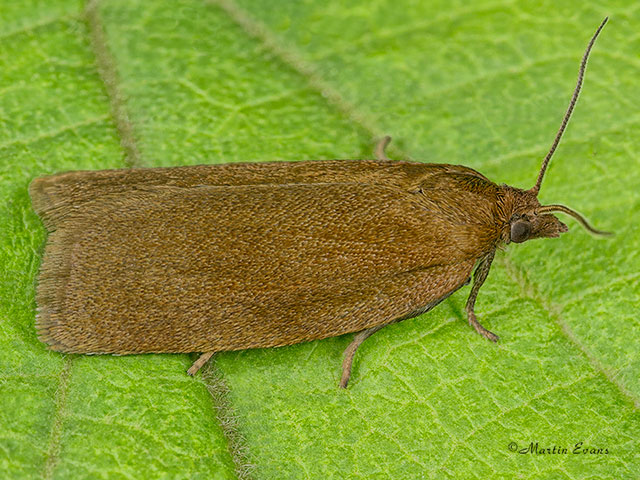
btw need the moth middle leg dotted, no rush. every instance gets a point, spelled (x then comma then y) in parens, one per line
(350, 352)
(479, 277)
(199, 363)
(382, 144)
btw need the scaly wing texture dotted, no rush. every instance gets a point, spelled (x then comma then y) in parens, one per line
(482, 83)
(169, 269)
(64, 191)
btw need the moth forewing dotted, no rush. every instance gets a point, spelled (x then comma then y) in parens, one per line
(208, 268)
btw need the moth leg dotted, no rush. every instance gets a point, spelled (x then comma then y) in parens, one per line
(479, 277)
(199, 363)
(351, 351)
(382, 144)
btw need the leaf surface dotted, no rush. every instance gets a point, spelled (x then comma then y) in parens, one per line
(482, 84)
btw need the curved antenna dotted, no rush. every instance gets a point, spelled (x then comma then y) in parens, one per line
(567, 115)
(574, 214)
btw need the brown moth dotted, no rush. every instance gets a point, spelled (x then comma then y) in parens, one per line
(228, 257)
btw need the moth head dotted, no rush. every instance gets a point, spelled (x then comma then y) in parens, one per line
(532, 220)
(528, 226)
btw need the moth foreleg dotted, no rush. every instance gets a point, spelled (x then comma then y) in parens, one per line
(199, 363)
(479, 277)
(382, 144)
(351, 351)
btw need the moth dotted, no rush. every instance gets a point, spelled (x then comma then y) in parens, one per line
(211, 258)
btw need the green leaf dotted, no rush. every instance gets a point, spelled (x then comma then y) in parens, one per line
(481, 84)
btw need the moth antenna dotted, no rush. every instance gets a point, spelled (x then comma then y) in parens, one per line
(572, 104)
(574, 214)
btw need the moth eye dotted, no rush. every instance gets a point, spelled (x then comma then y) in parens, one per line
(520, 231)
